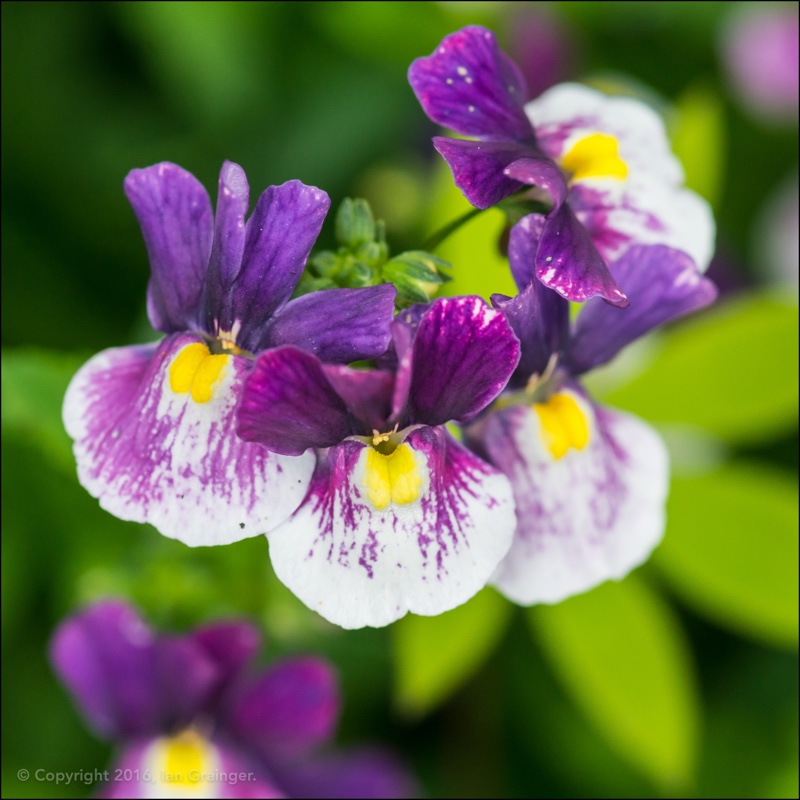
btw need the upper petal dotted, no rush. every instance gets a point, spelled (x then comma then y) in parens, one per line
(336, 325)
(593, 513)
(280, 233)
(174, 213)
(289, 405)
(463, 354)
(376, 538)
(469, 85)
(661, 284)
(154, 450)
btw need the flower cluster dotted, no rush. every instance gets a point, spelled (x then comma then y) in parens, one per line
(466, 452)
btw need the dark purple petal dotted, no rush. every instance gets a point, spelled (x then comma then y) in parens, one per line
(288, 405)
(469, 85)
(478, 168)
(174, 213)
(463, 354)
(126, 681)
(660, 282)
(367, 393)
(539, 170)
(290, 709)
(569, 263)
(523, 245)
(233, 202)
(336, 325)
(366, 773)
(538, 316)
(280, 234)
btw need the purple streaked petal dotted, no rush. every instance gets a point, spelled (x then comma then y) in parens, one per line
(366, 392)
(569, 263)
(463, 354)
(479, 168)
(469, 85)
(174, 213)
(357, 563)
(292, 708)
(151, 454)
(279, 236)
(523, 244)
(365, 773)
(540, 171)
(336, 325)
(591, 515)
(233, 202)
(288, 404)
(127, 681)
(661, 283)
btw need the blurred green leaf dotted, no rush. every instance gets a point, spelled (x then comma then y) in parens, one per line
(622, 656)
(732, 371)
(731, 549)
(698, 139)
(434, 656)
(34, 383)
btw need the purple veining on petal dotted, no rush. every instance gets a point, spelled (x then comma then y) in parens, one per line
(336, 325)
(523, 244)
(662, 284)
(469, 85)
(174, 212)
(540, 171)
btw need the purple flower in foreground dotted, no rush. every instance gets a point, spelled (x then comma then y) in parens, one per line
(399, 516)
(589, 482)
(192, 721)
(154, 425)
(603, 164)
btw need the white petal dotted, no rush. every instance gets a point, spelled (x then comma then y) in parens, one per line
(357, 565)
(150, 454)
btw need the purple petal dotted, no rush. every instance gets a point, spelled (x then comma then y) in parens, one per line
(479, 168)
(463, 354)
(336, 325)
(233, 202)
(569, 263)
(126, 681)
(661, 283)
(280, 234)
(288, 404)
(174, 213)
(292, 708)
(360, 557)
(367, 393)
(469, 85)
(366, 773)
(523, 245)
(151, 453)
(592, 514)
(538, 170)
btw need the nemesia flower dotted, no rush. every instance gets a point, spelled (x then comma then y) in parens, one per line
(191, 720)
(589, 482)
(602, 163)
(153, 425)
(399, 515)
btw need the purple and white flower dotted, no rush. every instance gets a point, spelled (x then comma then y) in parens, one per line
(154, 425)
(399, 516)
(191, 720)
(602, 163)
(589, 482)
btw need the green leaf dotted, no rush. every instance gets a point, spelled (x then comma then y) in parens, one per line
(622, 656)
(34, 383)
(731, 549)
(434, 656)
(732, 371)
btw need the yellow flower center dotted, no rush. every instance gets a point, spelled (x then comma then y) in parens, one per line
(595, 156)
(196, 370)
(182, 766)
(392, 478)
(563, 424)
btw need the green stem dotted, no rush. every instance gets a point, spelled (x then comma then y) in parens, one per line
(437, 238)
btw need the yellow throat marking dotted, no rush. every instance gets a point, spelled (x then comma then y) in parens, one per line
(392, 478)
(563, 424)
(595, 156)
(196, 370)
(185, 759)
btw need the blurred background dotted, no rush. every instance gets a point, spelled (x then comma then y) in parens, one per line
(680, 680)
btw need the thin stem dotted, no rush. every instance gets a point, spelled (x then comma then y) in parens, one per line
(437, 238)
